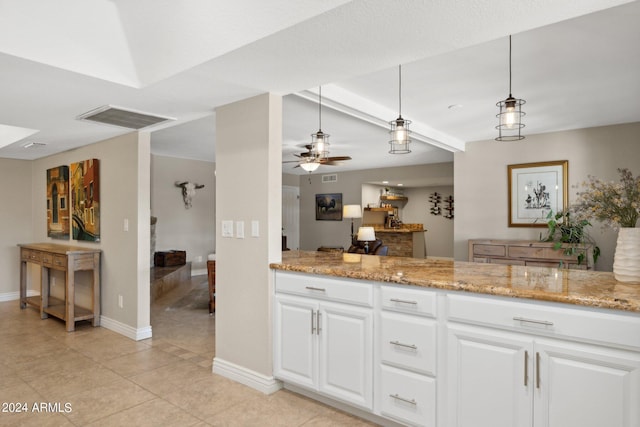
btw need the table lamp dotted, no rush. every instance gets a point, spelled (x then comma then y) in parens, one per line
(366, 235)
(352, 211)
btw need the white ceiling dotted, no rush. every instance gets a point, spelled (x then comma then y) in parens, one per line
(576, 62)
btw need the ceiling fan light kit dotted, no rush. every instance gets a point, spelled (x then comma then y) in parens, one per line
(400, 133)
(510, 114)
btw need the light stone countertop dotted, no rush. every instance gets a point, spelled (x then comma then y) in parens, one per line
(579, 287)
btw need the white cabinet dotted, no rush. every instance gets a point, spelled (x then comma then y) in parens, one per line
(322, 345)
(533, 376)
(406, 342)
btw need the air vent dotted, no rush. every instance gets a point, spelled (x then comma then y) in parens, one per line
(116, 116)
(330, 178)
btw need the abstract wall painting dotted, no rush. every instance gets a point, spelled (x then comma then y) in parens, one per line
(58, 218)
(85, 200)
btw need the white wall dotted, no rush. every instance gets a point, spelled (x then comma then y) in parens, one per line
(480, 179)
(124, 193)
(249, 187)
(439, 235)
(314, 234)
(15, 221)
(192, 230)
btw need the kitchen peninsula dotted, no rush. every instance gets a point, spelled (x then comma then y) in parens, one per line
(406, 240)
(437, 343)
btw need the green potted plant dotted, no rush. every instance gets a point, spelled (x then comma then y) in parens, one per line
(569, 234)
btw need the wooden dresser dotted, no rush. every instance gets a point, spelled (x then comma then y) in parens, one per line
(528, 252)
(68, 259)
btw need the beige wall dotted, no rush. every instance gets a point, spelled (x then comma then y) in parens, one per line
(249, 187)
(439, 235)
(15, 221)
(192, 230)
(124, 193)
(481, 179)
(337, 233)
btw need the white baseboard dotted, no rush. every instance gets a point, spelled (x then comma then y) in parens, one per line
(14, 296)
(199, 272)
(126, 330)
(255, 380)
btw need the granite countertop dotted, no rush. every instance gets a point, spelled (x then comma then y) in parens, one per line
(579, 287)
(404, 228)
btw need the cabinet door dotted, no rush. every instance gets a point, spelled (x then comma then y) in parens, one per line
(489, 378)
(587, 386)
(346, 356)
(295, 341)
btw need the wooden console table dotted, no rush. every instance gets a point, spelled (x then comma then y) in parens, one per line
(528, 252)
(65, 258)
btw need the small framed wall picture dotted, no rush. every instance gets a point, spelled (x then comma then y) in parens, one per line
(535, 189)
(329, 207)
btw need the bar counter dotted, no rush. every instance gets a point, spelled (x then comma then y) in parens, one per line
(578, 287)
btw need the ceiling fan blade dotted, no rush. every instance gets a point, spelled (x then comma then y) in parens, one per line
(333, 159)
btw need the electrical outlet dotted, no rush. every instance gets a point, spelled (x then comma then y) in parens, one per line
(199, 258)
(120, 301)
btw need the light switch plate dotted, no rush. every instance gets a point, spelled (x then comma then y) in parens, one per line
(240, 229)
(227, 228)
(255, 228)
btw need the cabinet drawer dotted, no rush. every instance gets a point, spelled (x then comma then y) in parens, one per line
(408, 397)
(622, 330)
(59, 262)
(408, 342)
(494, 250)
(408, 300)
(320, 287)
(540, 253)
(29, 255)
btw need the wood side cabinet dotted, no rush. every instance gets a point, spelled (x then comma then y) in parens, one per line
(69, 259)
(529, 252)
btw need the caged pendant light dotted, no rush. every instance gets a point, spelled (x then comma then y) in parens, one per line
(510, 114)
(320, 140)
(400, 133)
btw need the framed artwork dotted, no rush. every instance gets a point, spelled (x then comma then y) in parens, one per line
(85, 200)
(58, 218)
(329, 207)
(534, 190)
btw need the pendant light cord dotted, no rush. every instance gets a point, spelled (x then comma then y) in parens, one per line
(320, 108)
(510, 65)
(400, 90)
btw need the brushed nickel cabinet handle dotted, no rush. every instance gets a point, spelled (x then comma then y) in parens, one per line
(403, 301)
(318, 322)
(404, 399)
(538, 322)
(526, 365)
(312, 288)
(537, 370)
(313, 326)
(411, 346)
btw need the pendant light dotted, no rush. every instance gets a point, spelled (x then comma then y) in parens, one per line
(510, 113)
(400, 133)
(320, 140)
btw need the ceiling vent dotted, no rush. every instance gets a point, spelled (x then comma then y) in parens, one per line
(116, 116)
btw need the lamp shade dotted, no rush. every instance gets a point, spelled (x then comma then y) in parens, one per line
(352, 211)
(310, 166)
(366, 234)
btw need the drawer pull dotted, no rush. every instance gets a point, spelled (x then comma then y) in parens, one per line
(313, 325)
(411, 346)
(312, 288)
(539, 322)
(404, 399)
(404, 301)
(537, 370)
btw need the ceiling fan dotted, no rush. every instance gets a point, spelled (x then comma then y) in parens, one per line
(318, 151)
(311, 156)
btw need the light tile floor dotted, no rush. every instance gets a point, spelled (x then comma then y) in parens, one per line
(95, 377)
